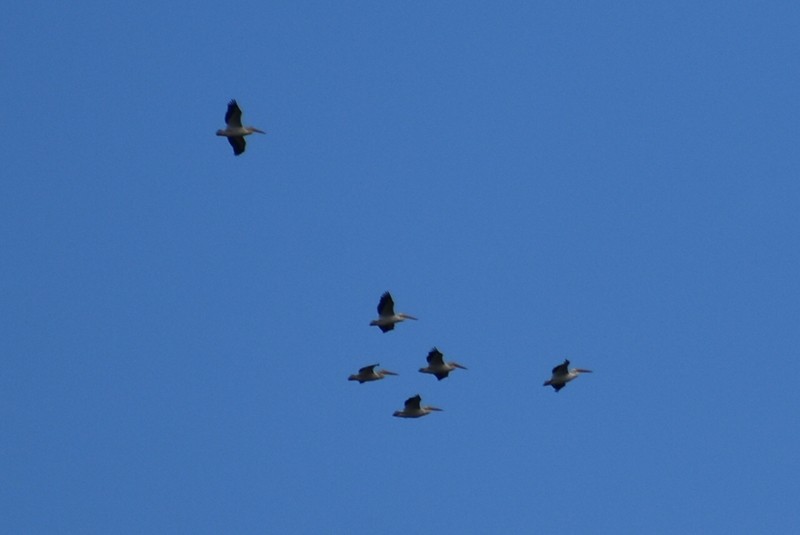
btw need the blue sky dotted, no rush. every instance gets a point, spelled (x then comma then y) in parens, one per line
(613, 184)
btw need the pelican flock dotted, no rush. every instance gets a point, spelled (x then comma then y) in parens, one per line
(234, 130)
(562, 375)
(386, 315)
(437, 365)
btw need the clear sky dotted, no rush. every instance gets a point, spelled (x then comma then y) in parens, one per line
(611, 182)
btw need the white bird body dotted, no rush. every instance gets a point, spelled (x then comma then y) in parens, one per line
(234, 130)
(386, 315)
(562, 375)
(437, 366)
(414, 409)
(369, 373)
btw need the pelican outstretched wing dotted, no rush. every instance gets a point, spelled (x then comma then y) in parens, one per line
(435, 357)
(238, 144)
(386, 305)
(562, 369)
(368, 369)
(413, 403)
(233, 117)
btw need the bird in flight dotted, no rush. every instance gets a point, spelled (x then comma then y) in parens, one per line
(413, 409)
(438, 367)
(562, 375)
(386, 316)
(234, 130)
(369, 373)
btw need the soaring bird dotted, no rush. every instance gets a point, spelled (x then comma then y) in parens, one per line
(369, 373)
(438, 367)
(413, 409)
(562, 375)
(234, 130)
(387, 318)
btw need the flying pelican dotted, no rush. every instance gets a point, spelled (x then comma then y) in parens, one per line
(438, 367)
(413, 409)
(368, 373)
(234, 130)
(562, 375)
(387, 317)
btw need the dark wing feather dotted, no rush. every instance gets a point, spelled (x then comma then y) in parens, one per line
(441, 375)
(413, 403)
(233, 117)
(238, 144)
(386, 328)
(386, 305)
(435, 357)
(368, 369)
(561, 369)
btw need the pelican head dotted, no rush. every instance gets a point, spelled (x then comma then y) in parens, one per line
(581, 370)
(406, 316)
(457, 365)
(254, 129)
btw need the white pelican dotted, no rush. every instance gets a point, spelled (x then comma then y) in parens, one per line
(438, 367)
(387, 318)
(234, 130)
(562, 375)
(413, 409)
(369, 373)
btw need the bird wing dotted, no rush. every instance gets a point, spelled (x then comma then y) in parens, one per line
(561, 369)
(233, 117)
(367, 369)
(441, 375)
(386, 305)
(413, 403)
(435, 357)
(386, 328)
(238, 144)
